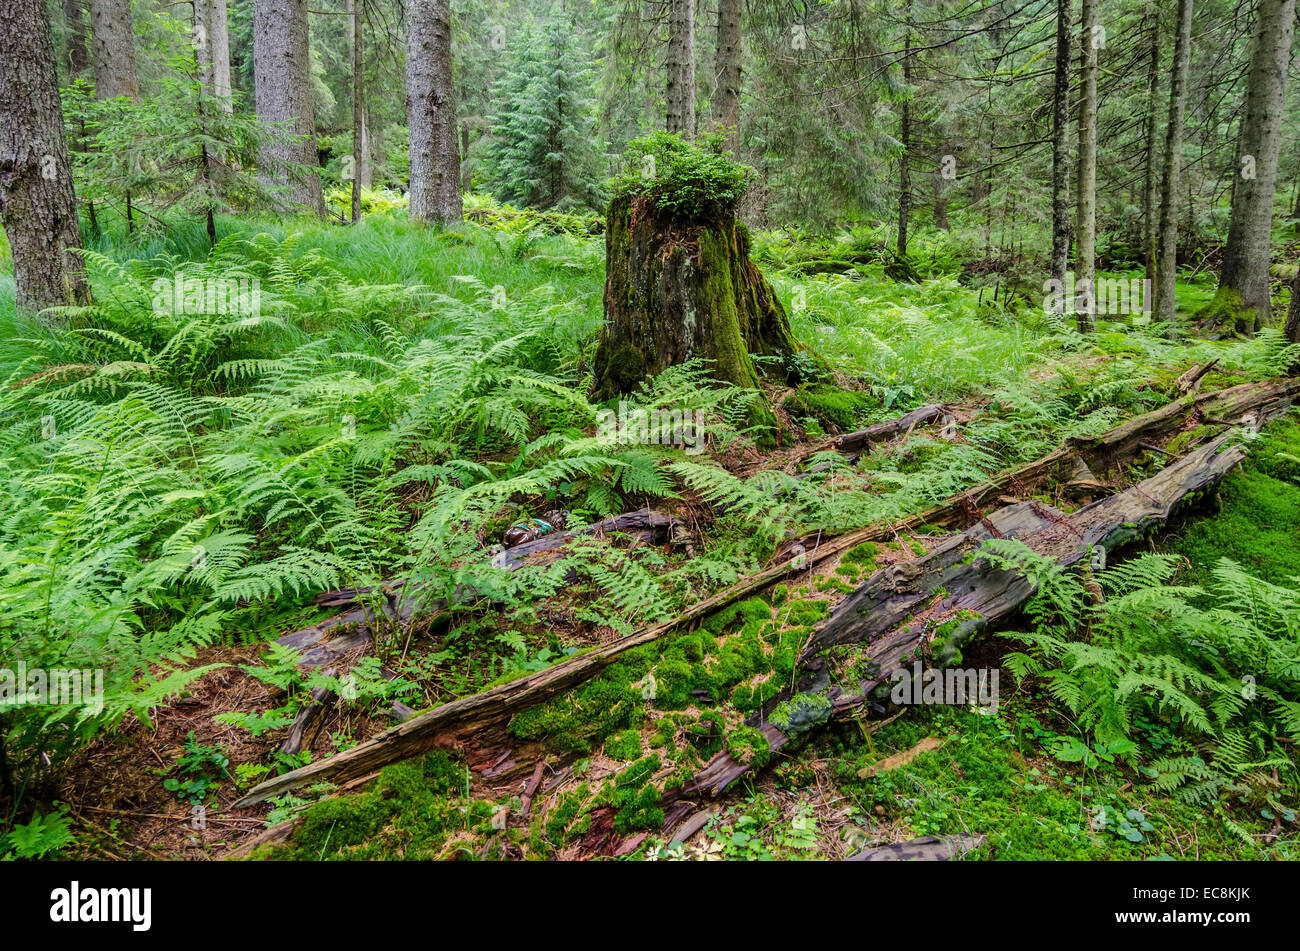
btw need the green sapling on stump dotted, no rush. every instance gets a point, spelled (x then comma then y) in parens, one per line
(679, 283)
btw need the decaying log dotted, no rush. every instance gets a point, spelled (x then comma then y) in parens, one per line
(929, 848)
(894, 613)
(478, 723)
(852, 442)
(1190, 381)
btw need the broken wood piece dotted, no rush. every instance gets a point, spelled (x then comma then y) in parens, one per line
(929, 848)
(1190, 381)
(852, 442)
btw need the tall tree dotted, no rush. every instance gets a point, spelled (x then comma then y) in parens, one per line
(215, 49)
(356, 11)
(1243, 299)
(77, 55)
(680, 91)
(1085, 246)
(1061, 146)
(283, 93)
(1167, 263)
(113, 49)
(905, 159)
(727, 103)
(431, 114)
(1151, 171)
(37, 205)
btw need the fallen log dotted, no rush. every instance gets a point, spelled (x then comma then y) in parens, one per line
(929, 848)
(895, 611)
(853, 442)
(478, 723)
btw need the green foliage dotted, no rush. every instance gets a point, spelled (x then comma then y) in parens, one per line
(200, 769)
(44, 836)
(542, 152)
(687, 179)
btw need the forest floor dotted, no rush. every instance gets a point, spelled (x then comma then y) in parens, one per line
(1029, 778)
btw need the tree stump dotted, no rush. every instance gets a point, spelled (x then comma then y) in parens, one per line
(678, 289)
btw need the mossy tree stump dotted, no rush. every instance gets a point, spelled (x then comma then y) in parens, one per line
(679, 285)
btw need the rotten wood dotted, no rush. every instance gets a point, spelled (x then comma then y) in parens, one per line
(478, 724)
(853, 442)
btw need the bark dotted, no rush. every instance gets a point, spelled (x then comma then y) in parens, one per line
(680, 91)
(1086, 210)
(282, 79)
(677, 290)
(1167, 265)
(215, 49)
(356, 11)
(1061, 145)
(431, 114)
(1151, 179)
(1292, 328)
(904, 161)
(729, 71)
(852, 442)
(77, 54)
(478, 724)
(37, 205)
(113, 49)
(1243, 300)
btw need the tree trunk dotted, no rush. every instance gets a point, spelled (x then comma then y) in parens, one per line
(904, 160)
(282, 80)
(678, 290)
(729, 71)
(356, 12)
(37, 204)
(1151, 181)
(1061, 147)
(1292, 329)
(1167, 264)
(1086, 212)
(1242, 301)
(431, 114)
(940, 202)
(680, 93)
(216, 67)
(113, 49)
(77, 57)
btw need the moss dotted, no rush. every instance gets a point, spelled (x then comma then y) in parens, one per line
(705, 734)
(1188, 439)
(801, 712)
(624, 746)
(635, 798)
(945, 648)
(864, 555)
(780, 595)
(830, 406)
(1256, 522)
(564, 812)
(748, 746)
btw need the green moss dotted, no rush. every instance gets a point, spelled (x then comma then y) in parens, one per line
(844, 409)
(705, 734)
(624, 746)
(801, 713)
(748, 746)
(864, 555)
(635, 797)
(1256, 525)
